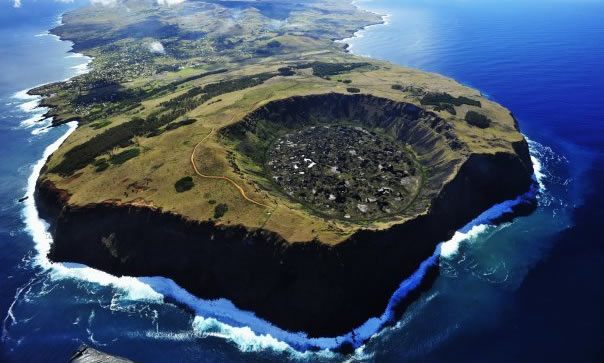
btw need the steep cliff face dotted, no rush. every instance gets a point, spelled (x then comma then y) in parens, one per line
(311, 287)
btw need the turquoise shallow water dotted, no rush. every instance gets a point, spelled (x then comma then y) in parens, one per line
(527, 290)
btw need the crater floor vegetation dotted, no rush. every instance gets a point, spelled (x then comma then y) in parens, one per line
(344, 171)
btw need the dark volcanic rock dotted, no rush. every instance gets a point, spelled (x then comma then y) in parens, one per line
(85, 354)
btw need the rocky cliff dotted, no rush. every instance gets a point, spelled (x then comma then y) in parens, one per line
(322, 290)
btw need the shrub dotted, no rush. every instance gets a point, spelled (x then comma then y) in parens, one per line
(99, 162)
(436, 99)
(101, 165)
(184, 184)
(397, 87)
(175, 125)
(477, 119)
(353, 90)
(347, 81)
(125, 156)
(81, 155)
(323, 70)
(220, 210)
(286, 71)
(273, 44)
(100, 125)
(447, 107)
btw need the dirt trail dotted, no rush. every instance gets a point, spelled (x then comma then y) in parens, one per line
(218, 177)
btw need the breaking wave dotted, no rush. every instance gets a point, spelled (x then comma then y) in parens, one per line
(31, 105)
(481, 223)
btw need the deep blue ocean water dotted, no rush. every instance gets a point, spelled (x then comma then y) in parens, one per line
(531, 290)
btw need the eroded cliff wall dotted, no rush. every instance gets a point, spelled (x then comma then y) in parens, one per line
(311, 287)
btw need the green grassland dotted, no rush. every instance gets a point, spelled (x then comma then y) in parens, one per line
(141, 113)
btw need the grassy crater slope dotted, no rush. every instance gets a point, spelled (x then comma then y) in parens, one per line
(171, 150)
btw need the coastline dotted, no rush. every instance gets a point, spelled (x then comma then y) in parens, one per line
(37, 227)
(47, 113)
(157, 288)
(359, 33)
(34, 103)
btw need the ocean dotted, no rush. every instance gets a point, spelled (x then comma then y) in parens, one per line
(529, 290)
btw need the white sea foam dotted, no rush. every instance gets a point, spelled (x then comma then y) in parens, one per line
(81, 68)
(450, 247)
(34, 225)
(32, 121)
(480, 224)
(44, 128)
(361, 33)
(10, 318)
(29, 106)
(539, 173)
(76, 55)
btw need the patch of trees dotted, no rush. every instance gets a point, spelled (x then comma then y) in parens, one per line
(286, 71)
(220, 210)
(103, 91)
(436, 99)
(100, 165)
(446, 107)
(124, 156)
(167, 68)
(353, 90)
(415, 91)
(273, 44)
(109, 92)
(198, 76)
(184, 184)
(99, 125)
(175, 125)
(81, 155)
(190, 99)
(172, 86)
(120, 136)
(323, 70)
(477, 119)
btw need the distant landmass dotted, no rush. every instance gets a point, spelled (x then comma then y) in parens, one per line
(237, 148)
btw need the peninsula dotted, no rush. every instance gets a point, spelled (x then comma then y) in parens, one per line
(236, 148)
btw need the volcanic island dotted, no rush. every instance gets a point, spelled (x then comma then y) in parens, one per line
(239, 149)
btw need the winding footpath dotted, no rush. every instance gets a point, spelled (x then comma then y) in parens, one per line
(218, 177)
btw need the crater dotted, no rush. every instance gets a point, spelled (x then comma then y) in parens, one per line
(350, 157)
